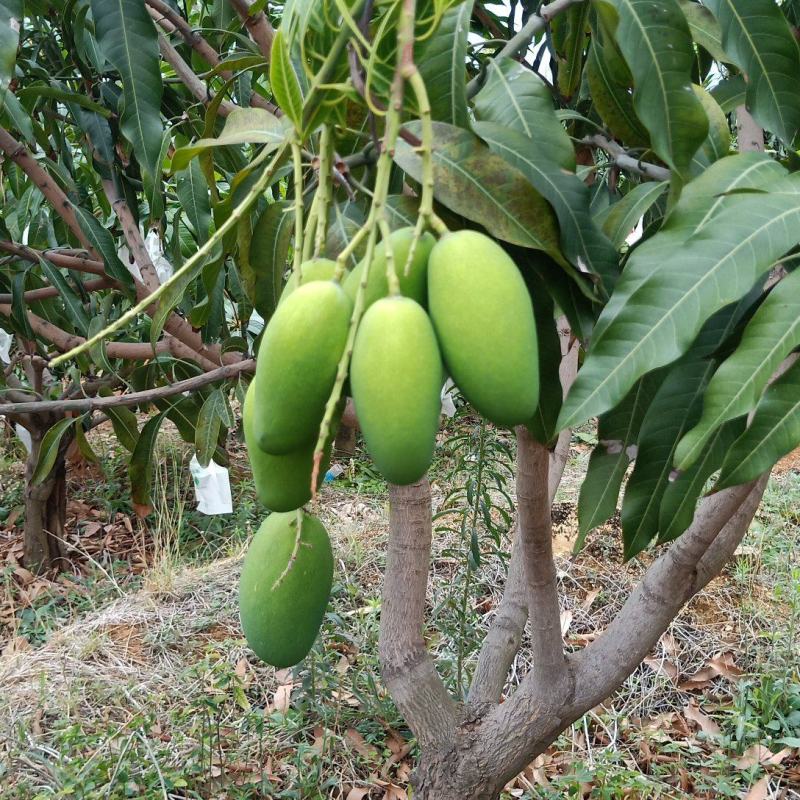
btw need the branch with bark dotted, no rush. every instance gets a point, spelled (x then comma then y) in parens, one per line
(258, 26)
(621, 158)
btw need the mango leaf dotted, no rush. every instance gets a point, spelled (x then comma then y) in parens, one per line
(773, 432)
(673, 410)
(213, 414)
(619, 219)
(140, 468)
(193, 196)
(718, 142)
(123, 420)
(441, 61)
(242, 126)
(666, 303)
(269, 250)
(84, 447)
(48, 450)
(705, 29)
(127, 36)
(474, 182)
(730, 93)
(609, 80)
(569, 41)
(102, 241)
(617, 432)
(654, 38)
(758, 38)
(680, 497)
(516, 98)
(14, 116)
(772, 333)
(344, 219)
(10, 23)
(284, 82)
(72, 303)
(584, 245)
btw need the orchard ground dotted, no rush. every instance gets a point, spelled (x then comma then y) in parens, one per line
(127, 676)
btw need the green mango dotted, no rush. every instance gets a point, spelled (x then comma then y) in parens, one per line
(396, 377)
(413, 284)
(282, 621)
(283, 483)
(317, 269)
(297, 364)
(484, 321)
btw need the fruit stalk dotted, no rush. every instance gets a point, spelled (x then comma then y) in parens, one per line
(297, 160)
(325, 190)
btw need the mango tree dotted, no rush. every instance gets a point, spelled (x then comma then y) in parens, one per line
(455, 193)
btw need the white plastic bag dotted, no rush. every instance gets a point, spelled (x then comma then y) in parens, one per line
(212, 487)
(448, 406)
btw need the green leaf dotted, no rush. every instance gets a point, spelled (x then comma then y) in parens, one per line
(242, 126)
(654, 38)
(758, 38)
(773, 432)
(269, 251)
(127, 36)
(584, 245)
(730, 93)
(48, 450)
(65, 96)
(772, 333)
(84, 447)
(209, 422)
(673, 410)
(705, 29)
(516, 98)
(663, 305)
(441, 59)
(171, 297)
(284, 82)
(569, 41)
(619, 219)
(718, 142)
(123, 420)
(680, 497)
(140, 468)
(72, 303)
(102, 241)
(617, 432)
(10, 23)
(474, 182)
(193, 196)
(14, 116)
(18, 305)
(344, 219)
(609, 80)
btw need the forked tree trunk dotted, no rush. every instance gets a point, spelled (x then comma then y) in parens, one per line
(45, 512)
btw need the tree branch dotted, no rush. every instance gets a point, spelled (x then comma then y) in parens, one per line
(52, 291)
(406, 666)
(536, 546)
(189, 78)
(627, 162)
(749, 134)
(258, 26)
(134, 399)
(61, 259)
(23, 158)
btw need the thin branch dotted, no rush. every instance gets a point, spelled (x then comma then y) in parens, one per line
(258, 26)
(66, 260)
(536, 544)
(24, 159)
(407, 667)
(520, 42)
(189, 78)
(52, 291)
(136, 398)
(623, 160)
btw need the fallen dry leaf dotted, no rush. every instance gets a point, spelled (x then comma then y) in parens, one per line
(589, 599)
(670, 644)
(357, 793)
(759, 790)
(758, 754)
(664, 667)
(359, 744)
(566, 621)
(704, 722)
(283, 698)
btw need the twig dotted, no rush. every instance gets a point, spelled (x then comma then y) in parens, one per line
(626, 161)
(52, 291)
(59, 258)
(135, 398)
(258, 26)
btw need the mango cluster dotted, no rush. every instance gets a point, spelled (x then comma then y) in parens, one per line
(463, 309)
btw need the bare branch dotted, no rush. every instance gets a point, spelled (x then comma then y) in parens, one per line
(52, 291)
(536, 545)
(189, 78)
(258, 26)
(78, 263)
(628, 162)
(23, 158)
(407, 668)
(134, 399)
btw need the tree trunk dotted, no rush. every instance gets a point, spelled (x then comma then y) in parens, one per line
(45, 513)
